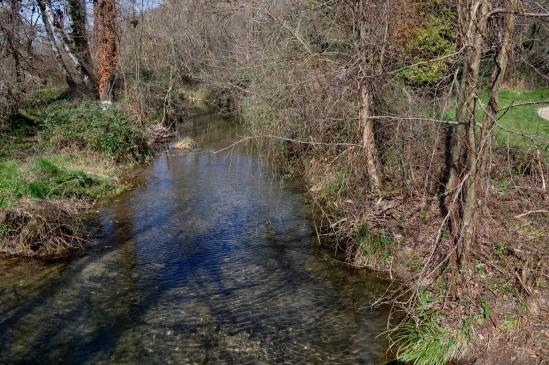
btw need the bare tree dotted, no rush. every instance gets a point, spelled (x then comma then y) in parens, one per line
(53, 44)
(468, 147)
(367, 72)
(65, 43)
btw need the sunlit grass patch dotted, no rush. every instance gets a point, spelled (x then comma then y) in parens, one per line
(41, 178)
(88, 125)
(517, 122)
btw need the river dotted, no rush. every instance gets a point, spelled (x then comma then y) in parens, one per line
(210, 258)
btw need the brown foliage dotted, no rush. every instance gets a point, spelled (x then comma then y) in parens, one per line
(41, 229)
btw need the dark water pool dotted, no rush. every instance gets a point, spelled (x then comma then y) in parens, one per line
(209, 259)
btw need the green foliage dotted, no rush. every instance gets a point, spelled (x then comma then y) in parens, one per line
(426, 343)
(45, 97)
(486, 312)
(335, 184)
(424, 300)
(88, 125)
(501, 249)
(435, 39)
(507, 324)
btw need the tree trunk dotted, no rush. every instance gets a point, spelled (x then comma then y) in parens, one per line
(79, 34)
(367, 73)
(62, 38)
(107, 53)
(368, 136)
(498, 76)
(461, 192)
(53, 45)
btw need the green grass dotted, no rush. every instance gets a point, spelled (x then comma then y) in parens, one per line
(60, 147)
(12, 188)
(520, 119)
(334, 185)
(44, 179)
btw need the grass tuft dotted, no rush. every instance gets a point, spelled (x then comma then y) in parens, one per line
(426, 343)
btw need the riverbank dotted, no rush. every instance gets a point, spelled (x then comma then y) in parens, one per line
(59, 154)
(487, 318)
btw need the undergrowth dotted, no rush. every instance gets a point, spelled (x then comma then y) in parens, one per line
(88, 125)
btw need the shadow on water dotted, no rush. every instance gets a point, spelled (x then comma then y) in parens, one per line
(210, 259)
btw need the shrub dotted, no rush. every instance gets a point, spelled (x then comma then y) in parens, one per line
(89, 125)
(369, 244)
(435, 39)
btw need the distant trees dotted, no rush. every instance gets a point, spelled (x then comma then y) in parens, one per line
(9, 26)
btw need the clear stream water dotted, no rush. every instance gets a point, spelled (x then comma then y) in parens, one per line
(209, 259)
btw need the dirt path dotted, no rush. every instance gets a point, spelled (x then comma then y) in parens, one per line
(544, 112)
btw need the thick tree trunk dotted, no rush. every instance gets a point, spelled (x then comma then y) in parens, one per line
(468, 162)
(62, 38)
(107, 53)
(53, 45)
(498, 76)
